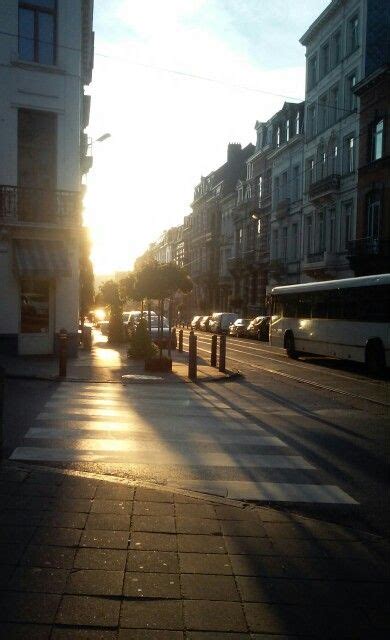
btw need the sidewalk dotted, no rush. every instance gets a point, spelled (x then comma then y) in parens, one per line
(83, 557)
(106, 363)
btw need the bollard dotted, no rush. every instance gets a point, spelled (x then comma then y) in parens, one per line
(192, 357)
(222, 353)
(181, 340)
(87, 338)
(63, 353)
(2, 382)
(213, 358)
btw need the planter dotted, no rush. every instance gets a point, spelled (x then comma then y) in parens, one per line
(155, 364)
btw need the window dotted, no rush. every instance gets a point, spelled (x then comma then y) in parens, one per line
(295, 183)
(260, 188)
(275, 244)
(324, 60)
(287, 130)
(294, 241)
(350, 97)
(346, 224)
(258, 227)
(248, 192)
(297, 124)
(240, 194)
(284, 185)
(312, 72)
(34, 306)
(334, 105)
(278, 136)
(333, 158)
(311, 120)
(276, 190)
(372, 219)
(323, 112)
(321, 230)
(336, 48)
(332, 230)
(249, 170)
(37, 31)
(349, 153)
(284, 244)
(353, 34)
(377, 141)
(309, 235)
(309, 172)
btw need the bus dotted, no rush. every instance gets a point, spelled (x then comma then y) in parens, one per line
(347, 319)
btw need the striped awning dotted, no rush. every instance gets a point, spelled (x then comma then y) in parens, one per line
(41, 258)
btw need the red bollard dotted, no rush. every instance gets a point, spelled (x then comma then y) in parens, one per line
(63, 353)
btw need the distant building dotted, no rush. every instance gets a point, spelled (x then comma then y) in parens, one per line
(46, 58)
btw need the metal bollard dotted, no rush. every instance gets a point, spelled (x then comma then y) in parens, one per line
(181, 340)
(87, 338)
(2, 382)
(222, 353)
(213, 358)
(192, 357)
(63, 353)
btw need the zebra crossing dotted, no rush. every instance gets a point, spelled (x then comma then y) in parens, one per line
(180, 435)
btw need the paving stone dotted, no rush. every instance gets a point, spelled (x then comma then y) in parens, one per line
(197, 526)
(251, 528)
(55, 536)
(13, 534)
(82, 491)
(206, 563)
(275, 515)
(201, 544)
(95, 582)
(120, 507)
(288, 530)
(14, 631)
(35, 489)
(153, 561)
(44, 556)
(247, 545)
(64, 520)
(83, 634)
(21, 518)
(43, 477)
(105, 539)
(108, 522)
(144, 494)
(152, 585)
(110, 559)
(11, 553)
(31, 503)
(145, 634)
(249, 565)
(195, 511)
(181, 498)
(203, 615)
(110, 491)
(212, 635)
(88, 610)
(157, 524)
(153, 509)
(150, 614)
(299, 548)
(220, 587)
(226, 512)
(28, 607)
(71, 505)
(153, 541)
(38, 579)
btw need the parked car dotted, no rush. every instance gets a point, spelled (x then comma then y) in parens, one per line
(205, 323)
(220, 322)
(130, 318)
(258, 328)
(167, 336)
(195, 322)
(239, 328)
(103, 325)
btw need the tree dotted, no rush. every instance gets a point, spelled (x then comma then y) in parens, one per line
(110, 296)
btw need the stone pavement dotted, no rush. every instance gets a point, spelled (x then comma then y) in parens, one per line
(98, 559)
(105, 363)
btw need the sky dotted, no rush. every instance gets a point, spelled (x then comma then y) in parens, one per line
(174, 82)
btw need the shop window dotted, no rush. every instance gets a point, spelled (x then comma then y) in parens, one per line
(34, 306)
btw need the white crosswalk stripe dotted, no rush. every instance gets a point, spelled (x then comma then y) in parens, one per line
(183, 435)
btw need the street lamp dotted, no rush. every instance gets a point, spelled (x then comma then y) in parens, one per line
(102, 138)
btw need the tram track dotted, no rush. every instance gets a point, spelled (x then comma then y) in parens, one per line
(295, 378)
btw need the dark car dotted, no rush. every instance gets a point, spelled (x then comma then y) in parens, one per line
(259, 328)
(195, 322)
(162, 337)
(204, 323)
(239, 327)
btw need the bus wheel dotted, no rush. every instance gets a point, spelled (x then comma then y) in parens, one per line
(289, 345)
(375, 358)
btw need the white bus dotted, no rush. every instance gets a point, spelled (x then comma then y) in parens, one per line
(348, 319)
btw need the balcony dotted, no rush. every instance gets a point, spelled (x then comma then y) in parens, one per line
(24, 204)
(324, 263)
(324, 190)
(282, 208)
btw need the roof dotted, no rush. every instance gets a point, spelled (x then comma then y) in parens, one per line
(320, 21)
(363, 281)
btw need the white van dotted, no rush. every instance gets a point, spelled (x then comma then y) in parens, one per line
(220, 322)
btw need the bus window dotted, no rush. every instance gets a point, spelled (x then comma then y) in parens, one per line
(352, 303)
(277, 307)
(304, 305)
(334, 304)
(290, 306)
(319, 307)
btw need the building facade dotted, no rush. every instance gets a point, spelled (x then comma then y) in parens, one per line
(46, 58)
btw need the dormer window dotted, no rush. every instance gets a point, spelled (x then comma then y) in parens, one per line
(287, 129)
(249, 170)
(278, 136)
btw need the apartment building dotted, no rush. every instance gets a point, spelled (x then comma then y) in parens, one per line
(46, 58)
(341, 47)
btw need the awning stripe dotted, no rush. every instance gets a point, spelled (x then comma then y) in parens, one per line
(41, 258)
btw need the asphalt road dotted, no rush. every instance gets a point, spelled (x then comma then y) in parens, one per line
(309, 436)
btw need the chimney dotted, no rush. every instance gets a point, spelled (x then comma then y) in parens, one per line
(233, 151)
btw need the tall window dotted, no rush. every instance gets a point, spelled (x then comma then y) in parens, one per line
(377, 141)
(278, 136)
(295, 182)
(297, 124)
(260, 188)
(336, 48)
(349, 152)
(323, 112)
(311, 120)
(350, 97)
(321, 231)
(284, 185)
(309, 235)
(37, 26)
(333, 158)
(312, 72)
(324, 60)
(309, 172)
(276, 190)
(249, 170)
(294, 241)
(372, 218)
(353, 34)
(332, 230)
(347, 223)
(275, 244)
(284, 244)
(334, 105)
(287, 130)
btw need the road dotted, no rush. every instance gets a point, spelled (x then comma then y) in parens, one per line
(308, 436)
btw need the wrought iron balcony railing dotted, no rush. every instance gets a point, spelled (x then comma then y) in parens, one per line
(24, 204)
(324, 187)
